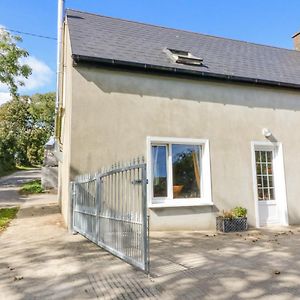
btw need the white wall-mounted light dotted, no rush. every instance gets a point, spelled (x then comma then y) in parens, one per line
(266, 132)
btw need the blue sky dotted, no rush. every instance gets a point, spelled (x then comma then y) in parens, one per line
(270, 22)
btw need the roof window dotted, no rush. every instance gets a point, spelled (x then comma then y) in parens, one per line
(184, 57)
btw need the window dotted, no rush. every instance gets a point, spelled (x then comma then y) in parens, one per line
(159, 158)
(264, 175)
(184, 57)
(178, 172)
(186, 170)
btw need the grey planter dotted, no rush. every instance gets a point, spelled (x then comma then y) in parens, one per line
(231, 225)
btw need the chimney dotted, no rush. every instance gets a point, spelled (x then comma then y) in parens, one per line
(296, 38)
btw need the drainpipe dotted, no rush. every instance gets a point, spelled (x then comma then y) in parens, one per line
(60, 20)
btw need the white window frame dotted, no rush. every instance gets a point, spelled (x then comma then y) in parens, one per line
(278, 175)
(169, 201)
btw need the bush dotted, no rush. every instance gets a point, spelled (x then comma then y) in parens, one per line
(32, 187)
(239, 212)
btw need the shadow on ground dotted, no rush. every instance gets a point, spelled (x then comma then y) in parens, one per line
(41, 260)
(251, 265)
(20, 177)
(10, 185)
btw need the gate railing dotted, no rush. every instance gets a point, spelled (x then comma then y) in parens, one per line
(110, 209)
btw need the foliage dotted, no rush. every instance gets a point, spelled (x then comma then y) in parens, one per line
(26, 124)
(237, 212)
(6, 172)
(32, 187)
(11, 67)
(228, 214)
(6, 215)
(7, 161)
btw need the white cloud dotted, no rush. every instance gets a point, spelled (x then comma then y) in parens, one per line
(41, 76)
(4, 97)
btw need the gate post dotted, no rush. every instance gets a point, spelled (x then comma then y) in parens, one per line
(72, 206)
(145, 219)
(98, 199)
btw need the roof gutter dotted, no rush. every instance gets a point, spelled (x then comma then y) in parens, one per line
(155, 68)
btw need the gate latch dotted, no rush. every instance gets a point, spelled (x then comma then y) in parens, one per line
(139, 181)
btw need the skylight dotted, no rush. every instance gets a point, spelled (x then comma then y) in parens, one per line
(184, 57)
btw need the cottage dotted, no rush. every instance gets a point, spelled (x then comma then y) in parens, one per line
(216, 119)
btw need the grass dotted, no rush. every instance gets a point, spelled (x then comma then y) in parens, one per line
(25, 168)
(6, 215)
(32, 187)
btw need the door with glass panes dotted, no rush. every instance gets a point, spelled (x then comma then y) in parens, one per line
(267, 200)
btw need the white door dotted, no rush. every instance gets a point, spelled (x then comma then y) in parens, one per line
(267, 202)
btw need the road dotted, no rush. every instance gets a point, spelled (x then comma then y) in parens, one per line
(9, 186)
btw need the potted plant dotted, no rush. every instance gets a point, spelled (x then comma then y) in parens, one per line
(233, 220)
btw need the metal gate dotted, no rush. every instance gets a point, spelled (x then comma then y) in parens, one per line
(110, 209)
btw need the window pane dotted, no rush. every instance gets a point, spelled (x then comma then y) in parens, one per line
(270, 169)
(159, 171)
(269, 156)
(257, 156)
(265, 181)
(263, 169)
(266, 194)
(271, 184)
(258, 169)
(186, 171)
(259, 181)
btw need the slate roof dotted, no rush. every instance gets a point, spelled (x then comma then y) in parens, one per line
(125, 43)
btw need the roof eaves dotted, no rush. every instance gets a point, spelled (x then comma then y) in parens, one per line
(134, 65)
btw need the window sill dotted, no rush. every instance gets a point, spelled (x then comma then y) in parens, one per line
(179, 204)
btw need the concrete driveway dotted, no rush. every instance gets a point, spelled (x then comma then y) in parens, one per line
(253, 265)
(39, 259)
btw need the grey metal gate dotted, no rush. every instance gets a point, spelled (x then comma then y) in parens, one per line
(110, 209)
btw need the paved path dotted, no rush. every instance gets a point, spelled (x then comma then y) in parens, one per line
(261, 265)
(39, 259)
(9, 186)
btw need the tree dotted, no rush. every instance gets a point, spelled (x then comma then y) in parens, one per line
(26, 124)
(11, 68)
(42, 113)
(14, 126)
(7, 159)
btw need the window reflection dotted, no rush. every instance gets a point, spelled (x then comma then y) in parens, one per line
(159, 170)
(186, 171)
